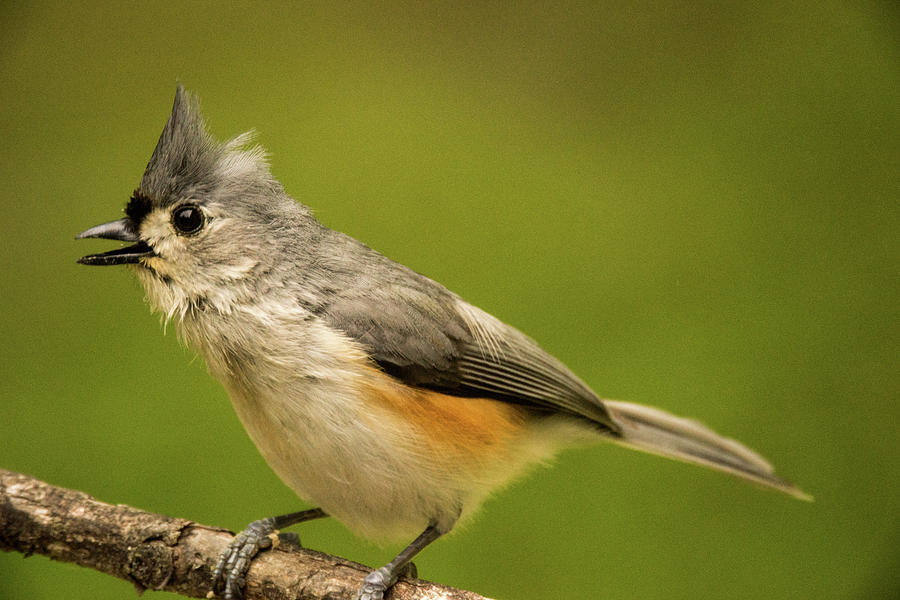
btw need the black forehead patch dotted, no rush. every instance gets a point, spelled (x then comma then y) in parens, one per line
(138, 207)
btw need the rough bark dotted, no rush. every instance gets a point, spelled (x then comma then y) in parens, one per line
(164, 553)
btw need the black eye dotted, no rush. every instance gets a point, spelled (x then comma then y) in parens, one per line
(188, 219)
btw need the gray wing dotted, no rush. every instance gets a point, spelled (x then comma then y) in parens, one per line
(418, 331)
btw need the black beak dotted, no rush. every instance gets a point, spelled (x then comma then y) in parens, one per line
(123, 231)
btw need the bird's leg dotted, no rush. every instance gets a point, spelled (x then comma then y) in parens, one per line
(231, 570)
(378, 581)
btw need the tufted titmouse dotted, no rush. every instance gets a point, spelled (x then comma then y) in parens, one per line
(372, 391)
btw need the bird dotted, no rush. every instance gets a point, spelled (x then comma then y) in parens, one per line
(375, 393)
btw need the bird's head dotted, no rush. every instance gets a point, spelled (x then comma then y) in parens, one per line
(208, 219)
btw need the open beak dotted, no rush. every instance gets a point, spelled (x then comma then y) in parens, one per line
(123, 231)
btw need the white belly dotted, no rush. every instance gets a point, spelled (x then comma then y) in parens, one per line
(321, 444)
(305, 399)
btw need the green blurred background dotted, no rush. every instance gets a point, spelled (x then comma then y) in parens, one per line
(693, 207)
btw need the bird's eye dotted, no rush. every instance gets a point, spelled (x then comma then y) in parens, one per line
(188, 219)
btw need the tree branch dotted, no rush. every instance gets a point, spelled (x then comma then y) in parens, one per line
(163, 553)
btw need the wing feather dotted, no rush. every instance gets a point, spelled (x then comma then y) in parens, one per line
(418, 331)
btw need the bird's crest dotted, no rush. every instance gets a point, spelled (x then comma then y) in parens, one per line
(186, 154)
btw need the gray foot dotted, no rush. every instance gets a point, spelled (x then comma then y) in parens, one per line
(378, 582)
(231, 570)
(375, 585)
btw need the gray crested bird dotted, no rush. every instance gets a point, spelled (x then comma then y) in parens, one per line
(372, 391)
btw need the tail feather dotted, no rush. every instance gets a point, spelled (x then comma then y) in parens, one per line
(655, 431)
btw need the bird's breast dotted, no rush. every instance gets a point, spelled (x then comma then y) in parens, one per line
(384, 458)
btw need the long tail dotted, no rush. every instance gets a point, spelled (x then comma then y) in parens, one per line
(658, 432)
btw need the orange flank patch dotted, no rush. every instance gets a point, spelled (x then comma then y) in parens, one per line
(452, 424)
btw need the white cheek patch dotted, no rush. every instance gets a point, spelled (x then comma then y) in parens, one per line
(157, 231)
(177, 260)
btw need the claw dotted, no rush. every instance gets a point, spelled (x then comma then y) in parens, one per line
(374, 585)
(234, 563)
(231, 569)
(230, 572)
